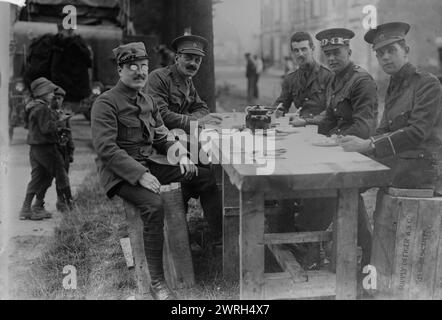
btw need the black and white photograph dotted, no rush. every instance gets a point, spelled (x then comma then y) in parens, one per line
(221, 154)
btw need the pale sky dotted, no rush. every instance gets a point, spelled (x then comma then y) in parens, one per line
(239, 16)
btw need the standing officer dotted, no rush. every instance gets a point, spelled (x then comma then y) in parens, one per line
(352, 96)
(409, 137)
(130, 139)
(173, 89)
(46, 160)
(305, 87)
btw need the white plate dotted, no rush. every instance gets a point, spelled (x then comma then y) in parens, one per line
(325, 143)
(286, 130)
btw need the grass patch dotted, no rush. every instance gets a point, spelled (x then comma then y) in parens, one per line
(88, 238)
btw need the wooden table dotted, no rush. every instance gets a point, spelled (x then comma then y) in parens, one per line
(306, 171)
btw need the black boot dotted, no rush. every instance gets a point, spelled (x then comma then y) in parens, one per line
(26, 212)
(39, 208)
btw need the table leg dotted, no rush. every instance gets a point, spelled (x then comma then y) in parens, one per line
(251, 245)
(345, 229)
(230, 229)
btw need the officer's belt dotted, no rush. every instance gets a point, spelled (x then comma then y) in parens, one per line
(139, 150)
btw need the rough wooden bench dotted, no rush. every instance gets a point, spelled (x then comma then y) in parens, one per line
(177, 258)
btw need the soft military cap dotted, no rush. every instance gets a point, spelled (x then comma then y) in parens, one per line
(59, 91)
(386, 34)
(190, 44)
(42, 86)
(130, 52)
(335, 38)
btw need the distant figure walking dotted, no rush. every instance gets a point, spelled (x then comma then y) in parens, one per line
(259, 68)
(251, 78)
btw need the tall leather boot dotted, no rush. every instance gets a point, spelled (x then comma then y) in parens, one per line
(153, 247)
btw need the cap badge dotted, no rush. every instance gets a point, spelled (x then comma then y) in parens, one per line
(382, 37)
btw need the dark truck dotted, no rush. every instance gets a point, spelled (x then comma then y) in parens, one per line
(80, 62)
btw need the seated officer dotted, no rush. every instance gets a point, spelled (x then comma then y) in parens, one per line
(409, 137)
(173, 90)
(305, 87)
(352, 95)
(130, 139)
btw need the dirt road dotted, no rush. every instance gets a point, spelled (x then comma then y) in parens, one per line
(24, 240)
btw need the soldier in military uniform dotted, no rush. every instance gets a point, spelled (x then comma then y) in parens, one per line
(46, 160)
(409, 137)
(130, 139)
(305, 87)
(351, 96)
(351, 108)
(173, 89)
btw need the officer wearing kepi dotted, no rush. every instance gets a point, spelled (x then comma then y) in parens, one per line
(173, 90)
(352, 95)
(131, 142)
(409, 137)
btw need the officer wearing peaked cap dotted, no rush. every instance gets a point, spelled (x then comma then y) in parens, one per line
(173, 89)
(351, 96)
(133, 161)
(409, 137)
(351, 104)
(191, 44)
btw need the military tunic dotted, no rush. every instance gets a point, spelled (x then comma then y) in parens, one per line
(306, 88)
(352, 104)
(409, 137)
(176, 98)
(127, 130)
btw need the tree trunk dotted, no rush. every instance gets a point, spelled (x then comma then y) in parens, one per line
(168, 19)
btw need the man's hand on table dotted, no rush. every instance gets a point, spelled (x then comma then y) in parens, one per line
(213, 118)
(298, 122)
(280, 111)
(150, 182)
(355, 144)
(188, 168)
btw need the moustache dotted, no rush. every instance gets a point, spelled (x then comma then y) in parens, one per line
(191, 68)
(139, 78)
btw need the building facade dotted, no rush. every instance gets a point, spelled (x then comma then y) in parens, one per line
(281, 18)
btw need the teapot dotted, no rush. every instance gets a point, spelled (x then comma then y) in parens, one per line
(257, 117)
